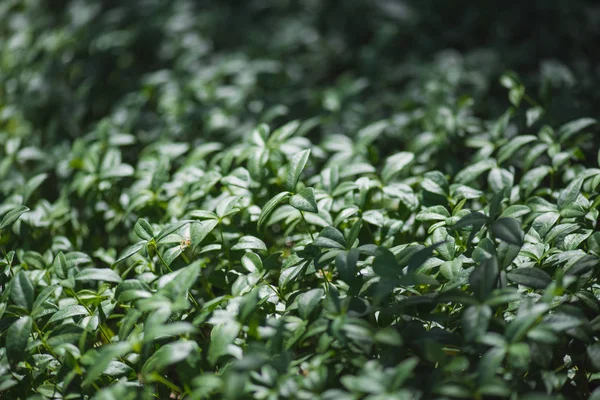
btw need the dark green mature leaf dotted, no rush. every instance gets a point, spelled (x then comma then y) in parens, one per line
(508, 230)
(16, 340)
(308, 301)
(11, 216)
(345, 263)
(530, 276)
(475, 321)
(22, 291)
(304, 200)
(593, 352)
(484, 277)
(419, 257)
(330, 238)
(385, 264)
(297, 164)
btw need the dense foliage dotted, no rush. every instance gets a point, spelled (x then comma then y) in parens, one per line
(299, 199)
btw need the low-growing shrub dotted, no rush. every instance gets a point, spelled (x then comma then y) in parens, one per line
(215, 223)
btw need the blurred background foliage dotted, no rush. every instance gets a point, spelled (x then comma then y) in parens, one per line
(195, 68)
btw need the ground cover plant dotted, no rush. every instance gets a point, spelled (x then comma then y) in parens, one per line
(208, 200)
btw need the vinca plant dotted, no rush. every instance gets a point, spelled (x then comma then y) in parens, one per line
(225, 220)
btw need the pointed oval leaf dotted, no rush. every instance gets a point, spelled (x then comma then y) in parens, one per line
(296, 167)
(11, 216)
(16, 340)
(304, 200)
(532, 277)
(270, 207)
(508, 230)
(22, 291)
(98, 274)
(143, 229)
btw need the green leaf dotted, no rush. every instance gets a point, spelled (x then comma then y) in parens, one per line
(473, 171)
(221, 337)
(270, 207)
(252, 262)
(60, 265)
(250, 243)
(296, 167)
(330, 238)
(532, 178)
(385, 264)
(98, 274)
(570, 194)
(388, 336)
(396, 163)
(11, 216)
(512, 146)
(68, 312)
(515, 211)
(16, 340)
(508, 230)
(418, 258)
(22, 291)
(308, 301)
(530, 276)
(593, 352)
(571, 128)
(475, 321)
(345, 263)
(170, 354)
(304, 200)
(131, 250)
(143, 229)
(533, 115)
(102, 359)
(484, 277)
(200, 230)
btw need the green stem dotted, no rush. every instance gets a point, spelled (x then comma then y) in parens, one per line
(167, 383)
(307, 226)
(225, 245)
(106, 337)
